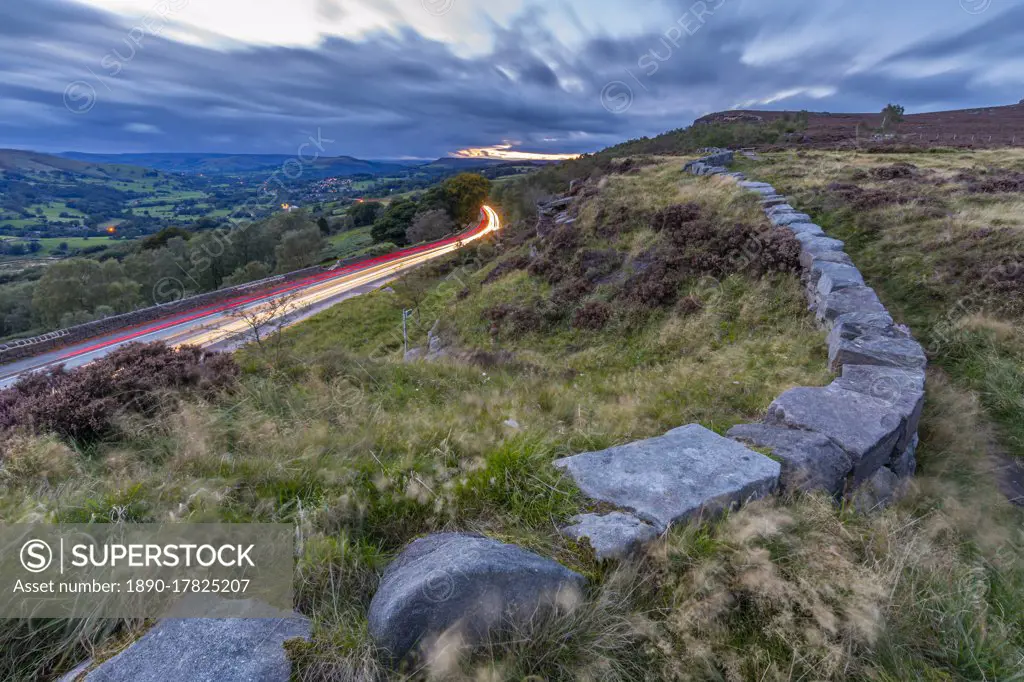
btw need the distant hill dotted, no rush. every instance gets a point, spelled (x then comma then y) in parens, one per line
(981, 127)
(241, 163)
(19, 161)
(465, 163)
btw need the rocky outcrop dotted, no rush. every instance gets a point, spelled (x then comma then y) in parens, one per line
(466, 587)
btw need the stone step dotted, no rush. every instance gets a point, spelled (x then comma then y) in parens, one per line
(675, 478)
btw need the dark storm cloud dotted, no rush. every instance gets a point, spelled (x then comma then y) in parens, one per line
(406, 95)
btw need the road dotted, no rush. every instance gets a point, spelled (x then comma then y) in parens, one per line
(224, 325)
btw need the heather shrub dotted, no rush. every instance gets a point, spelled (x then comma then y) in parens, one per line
(82, 403)
(593, 315)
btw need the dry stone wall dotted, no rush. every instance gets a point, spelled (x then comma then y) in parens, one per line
(854, 439)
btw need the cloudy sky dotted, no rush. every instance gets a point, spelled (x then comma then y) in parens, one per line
(424, 78)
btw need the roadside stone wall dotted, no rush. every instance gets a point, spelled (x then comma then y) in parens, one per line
(24, 348)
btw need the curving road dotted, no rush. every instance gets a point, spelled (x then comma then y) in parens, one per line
(221, 326)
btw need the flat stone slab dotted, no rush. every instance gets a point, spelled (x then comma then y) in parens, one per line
(779, 208)
(751, 184)
(812, 242)
(827, 277)
(884, 351)
(901, 389)
(828, 257)
(809, 229)
(613, 536)
(862, 300)
(773, 201)
(469, 582)
(855, 325)
(866, 428)
(783, 219)
(207, 650)
(676, 477)
(810, 461)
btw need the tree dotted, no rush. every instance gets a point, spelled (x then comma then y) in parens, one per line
(395, 222)
(468, 191)
(429, 226)
(364, 213)
(891, 115)
(265, 321)
(160, 239)
(325, 228)
(251, 272)
(299, 249)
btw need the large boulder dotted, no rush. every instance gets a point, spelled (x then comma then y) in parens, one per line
(676, 477)
(464, 584)
(867, 428)
(810, 461)
(613, 536)
(206, 650)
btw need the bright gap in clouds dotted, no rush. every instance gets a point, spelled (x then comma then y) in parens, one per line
(505, 152)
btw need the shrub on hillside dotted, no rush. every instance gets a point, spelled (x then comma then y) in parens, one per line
(82, 403)
(517, 320)
(895, 171)
(593, 315)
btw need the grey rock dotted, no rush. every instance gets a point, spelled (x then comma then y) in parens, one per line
(809, 229)
(750, 184)
(768, 202)
(905, 465)
(902, 389)
(812, 242)
(511, 423)
(781, 220)
(676, 477)
(207, 650)
(468, 582)
(855, 325)
(613, 536)
(878, 492)
(810, 461)
(884, 351)
(865, 427)
(779, 208)
(555, 206)
(828, 257)
(862, 300)
(829, 276)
